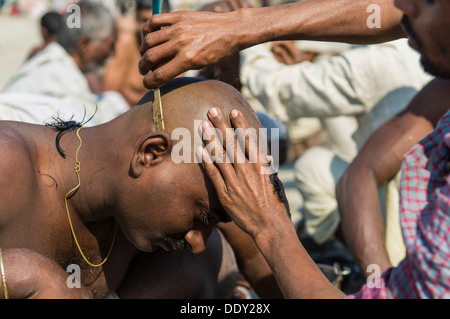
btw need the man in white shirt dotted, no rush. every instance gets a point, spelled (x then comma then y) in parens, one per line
(57, 71)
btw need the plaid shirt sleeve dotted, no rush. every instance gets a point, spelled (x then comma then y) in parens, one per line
(425, 222)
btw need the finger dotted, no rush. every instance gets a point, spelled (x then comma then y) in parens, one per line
(287, 57)
(247, 136)
(150, 40)
(216, 154)
(159, 20)
(296, 54)
(254, 144)
(213, 140)
(163, 74)
(288, 52)
(154, 56)
(230, 142)
(281, 55)
(211, 170)
(148, 27)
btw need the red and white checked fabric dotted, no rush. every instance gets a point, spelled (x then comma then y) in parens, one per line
(425, 222)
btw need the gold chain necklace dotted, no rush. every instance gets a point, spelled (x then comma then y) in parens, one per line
(77, 169)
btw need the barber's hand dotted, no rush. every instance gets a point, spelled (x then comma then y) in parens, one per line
(187, 41)
(244, 182)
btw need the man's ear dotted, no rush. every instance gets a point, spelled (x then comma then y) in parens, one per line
(150, 151)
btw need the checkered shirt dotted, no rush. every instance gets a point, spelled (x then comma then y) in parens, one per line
(425, 222)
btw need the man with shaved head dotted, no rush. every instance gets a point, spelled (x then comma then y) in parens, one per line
(104, 200)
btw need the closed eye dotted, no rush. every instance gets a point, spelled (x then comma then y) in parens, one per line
(204, 218)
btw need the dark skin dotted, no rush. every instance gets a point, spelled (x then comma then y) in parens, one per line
(127, 177)
(241, 187)
(251, 262)
(194, 40)
(198, 278)
(227, 70)
(248, 197)
(378, 161)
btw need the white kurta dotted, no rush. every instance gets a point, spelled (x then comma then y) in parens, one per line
(53, 72)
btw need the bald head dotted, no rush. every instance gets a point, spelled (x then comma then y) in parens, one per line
(185, 100)
(185, 103)
(163, 186)
(155, 188)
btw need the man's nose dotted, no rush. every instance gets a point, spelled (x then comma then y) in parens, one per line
(409, 7)
(198, 238)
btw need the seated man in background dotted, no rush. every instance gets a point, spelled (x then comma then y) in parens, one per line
(37, 108)
(126, 200)
(352, 94)
(59, 70)
(50, 24)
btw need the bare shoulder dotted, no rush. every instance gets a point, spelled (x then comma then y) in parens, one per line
(12, 144)
(16, 164)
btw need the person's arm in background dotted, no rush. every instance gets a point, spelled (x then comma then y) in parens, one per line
(193, 40)
(251, 262)
(121, 74)
(379, 160)
(30, 275)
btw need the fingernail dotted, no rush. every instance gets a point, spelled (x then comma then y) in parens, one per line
(213, 112)
(205, 125)
(234, 113)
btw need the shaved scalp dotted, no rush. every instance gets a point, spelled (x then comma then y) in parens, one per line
(187, 99)
(185, 104)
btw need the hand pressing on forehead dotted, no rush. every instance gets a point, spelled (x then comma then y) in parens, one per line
(247, 187)
(254, 198)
